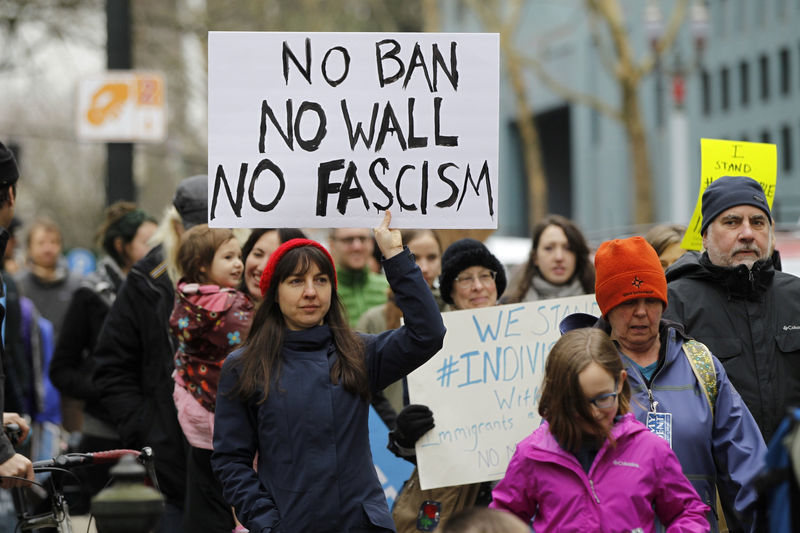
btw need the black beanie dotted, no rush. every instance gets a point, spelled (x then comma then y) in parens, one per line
(461, 255)
(191, 200)
(9, 173)
(729, 191)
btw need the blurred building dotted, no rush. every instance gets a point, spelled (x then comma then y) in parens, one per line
(744, 86)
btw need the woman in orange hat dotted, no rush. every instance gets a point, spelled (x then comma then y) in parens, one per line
(680, 390)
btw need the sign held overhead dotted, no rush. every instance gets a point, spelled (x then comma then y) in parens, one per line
(332, 129)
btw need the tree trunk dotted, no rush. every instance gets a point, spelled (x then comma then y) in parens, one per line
(643, 212)
(529, 136)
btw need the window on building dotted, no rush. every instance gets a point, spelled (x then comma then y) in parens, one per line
(765, 137)
(786, 147)
(594, 125)
(786, 75)
(705, 88)
(744, 83)
(763, 74)
(724, 86)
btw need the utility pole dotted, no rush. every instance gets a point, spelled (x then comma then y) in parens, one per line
(119, 166)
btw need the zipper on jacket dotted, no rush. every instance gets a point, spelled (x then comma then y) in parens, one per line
(653, 401)
(594, 492)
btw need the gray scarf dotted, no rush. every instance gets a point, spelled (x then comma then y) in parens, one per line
(541, 289)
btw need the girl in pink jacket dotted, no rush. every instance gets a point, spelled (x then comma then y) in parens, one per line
(591, 466)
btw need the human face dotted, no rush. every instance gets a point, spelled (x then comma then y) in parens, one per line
(304, 299)
(428, 256)
(138, 248)
(257, 260)
(634, 324)
(469, 292)
(554, 258)
(671, 254)
(45, 248)
(740, 235)
(596, 382)
(351, 247)
(226, 267)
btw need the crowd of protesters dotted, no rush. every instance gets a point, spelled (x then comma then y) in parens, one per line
(249, 362)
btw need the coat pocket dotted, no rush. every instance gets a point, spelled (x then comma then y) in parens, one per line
(724, 348)
(789, 341)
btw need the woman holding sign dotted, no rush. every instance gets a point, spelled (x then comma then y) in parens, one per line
(298, 394)
(471, 278)
(680, 390)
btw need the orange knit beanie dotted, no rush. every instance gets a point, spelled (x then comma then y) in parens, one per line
(627, 269)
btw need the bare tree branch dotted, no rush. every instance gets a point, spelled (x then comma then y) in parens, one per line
(570, 94)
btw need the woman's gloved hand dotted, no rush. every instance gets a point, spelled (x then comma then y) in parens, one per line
(413, 422)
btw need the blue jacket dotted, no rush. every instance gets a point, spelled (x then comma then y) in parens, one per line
(315, 470)
(725, 446)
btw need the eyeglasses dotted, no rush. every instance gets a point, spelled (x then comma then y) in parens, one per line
(604, 401)
(465, 282)
(348, 241)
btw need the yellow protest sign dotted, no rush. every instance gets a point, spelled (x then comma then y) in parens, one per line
(731, 158)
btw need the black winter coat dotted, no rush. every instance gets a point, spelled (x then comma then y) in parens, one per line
(134, 364)
(72, 368)
(750, 319)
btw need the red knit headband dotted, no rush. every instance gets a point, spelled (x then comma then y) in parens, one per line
(277, 255)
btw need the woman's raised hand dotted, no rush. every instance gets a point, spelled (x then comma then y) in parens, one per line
(389, 241)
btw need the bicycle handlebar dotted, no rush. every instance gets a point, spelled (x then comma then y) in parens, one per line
(69, 460)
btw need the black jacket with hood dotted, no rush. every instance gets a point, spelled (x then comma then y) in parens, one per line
(750, 319)
(134, 364)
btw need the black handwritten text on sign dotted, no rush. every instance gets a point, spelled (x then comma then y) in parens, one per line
(336, 131)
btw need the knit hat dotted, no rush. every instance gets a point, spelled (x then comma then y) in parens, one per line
(461, 255)
(277, 255)
(729, 191)
(9, 173)
(191, 200)
(627, 269)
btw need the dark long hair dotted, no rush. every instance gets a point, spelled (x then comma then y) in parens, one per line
(584, 270)
(563, 404)
(261, 358)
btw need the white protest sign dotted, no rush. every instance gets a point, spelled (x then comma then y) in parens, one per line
(484, 387)
(332, 129)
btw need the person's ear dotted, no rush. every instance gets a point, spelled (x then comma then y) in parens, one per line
(119, 246)
(622, 377)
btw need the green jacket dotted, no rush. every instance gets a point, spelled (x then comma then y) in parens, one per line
(360, 290)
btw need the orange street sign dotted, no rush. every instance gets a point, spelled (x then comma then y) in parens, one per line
(122, 106)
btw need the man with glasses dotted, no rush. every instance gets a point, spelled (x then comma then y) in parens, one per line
(359, 288)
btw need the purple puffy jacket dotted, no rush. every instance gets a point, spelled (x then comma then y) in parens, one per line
(627, 486)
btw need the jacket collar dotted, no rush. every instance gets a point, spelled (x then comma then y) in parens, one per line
(740, 281)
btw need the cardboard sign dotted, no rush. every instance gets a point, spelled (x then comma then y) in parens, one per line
(332, 129)
(731, 158)
(484, 387)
